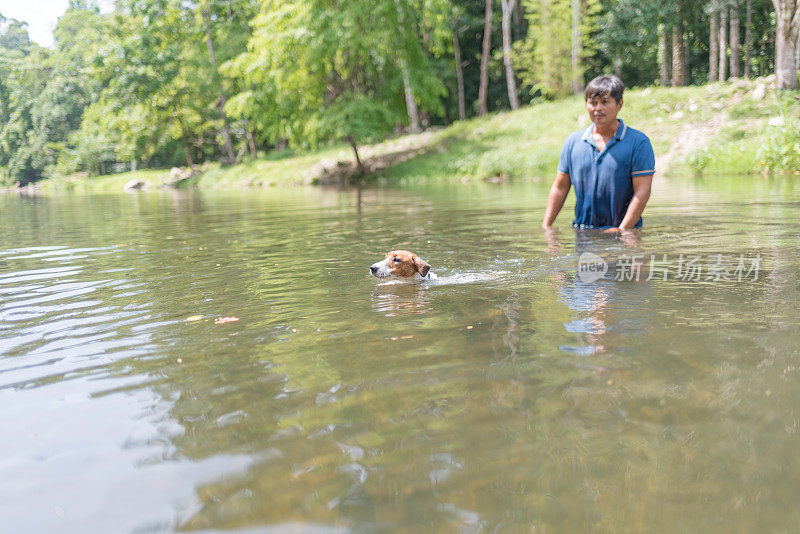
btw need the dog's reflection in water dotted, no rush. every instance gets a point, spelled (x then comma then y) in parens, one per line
(401, 298)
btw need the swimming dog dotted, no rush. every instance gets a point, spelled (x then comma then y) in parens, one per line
(402, 264)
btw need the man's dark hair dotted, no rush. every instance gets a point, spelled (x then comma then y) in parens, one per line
(605, 85)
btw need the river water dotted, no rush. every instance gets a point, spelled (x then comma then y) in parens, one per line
(224, 361)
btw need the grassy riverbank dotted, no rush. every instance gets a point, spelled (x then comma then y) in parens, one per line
(717, 128)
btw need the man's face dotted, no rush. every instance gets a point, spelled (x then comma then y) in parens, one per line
(603, 109)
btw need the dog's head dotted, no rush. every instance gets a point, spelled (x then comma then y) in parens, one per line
(401, 264)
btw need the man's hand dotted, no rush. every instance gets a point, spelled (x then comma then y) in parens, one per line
(628, 237)
(551, 236)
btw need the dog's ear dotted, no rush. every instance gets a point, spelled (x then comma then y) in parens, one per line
(422, 266)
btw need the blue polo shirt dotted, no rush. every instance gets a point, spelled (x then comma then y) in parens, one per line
(603, 181)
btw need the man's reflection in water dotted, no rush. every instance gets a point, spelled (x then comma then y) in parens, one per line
(613, 306)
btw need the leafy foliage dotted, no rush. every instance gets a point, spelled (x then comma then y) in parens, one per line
(782, 151)
(159, 83)
(545, 55)
(328, 73)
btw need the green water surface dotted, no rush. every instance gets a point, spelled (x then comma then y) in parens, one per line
(508, 396)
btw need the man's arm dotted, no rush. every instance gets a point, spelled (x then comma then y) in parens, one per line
(641, 193)
(555, 200)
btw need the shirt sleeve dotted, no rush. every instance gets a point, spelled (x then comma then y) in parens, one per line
(644, 160)
(564, 158)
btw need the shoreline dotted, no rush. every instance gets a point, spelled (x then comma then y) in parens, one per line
(712, 129)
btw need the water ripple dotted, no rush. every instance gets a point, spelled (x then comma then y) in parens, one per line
(507, 394)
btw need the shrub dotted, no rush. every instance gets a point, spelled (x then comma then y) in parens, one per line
(782, 151)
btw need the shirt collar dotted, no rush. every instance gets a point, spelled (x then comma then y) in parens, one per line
(621, 129)
(619, 135)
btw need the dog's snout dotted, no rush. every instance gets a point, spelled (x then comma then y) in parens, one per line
(373, 269)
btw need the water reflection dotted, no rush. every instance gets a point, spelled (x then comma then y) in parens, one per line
(400, 298)
(612, 306)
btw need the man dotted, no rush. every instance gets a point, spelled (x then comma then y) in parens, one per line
(610, 164)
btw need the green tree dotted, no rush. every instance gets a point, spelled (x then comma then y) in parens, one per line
(628, 39)
(71, 88)
(321, 70)
(22, 79)
(161, 63)
(14, 36)
(47, 92)
(546, 54)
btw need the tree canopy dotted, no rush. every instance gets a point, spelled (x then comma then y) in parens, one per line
(157, 83)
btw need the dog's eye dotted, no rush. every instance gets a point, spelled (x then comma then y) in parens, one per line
(396, 260)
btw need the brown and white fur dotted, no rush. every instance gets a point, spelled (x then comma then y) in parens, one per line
(402, 264)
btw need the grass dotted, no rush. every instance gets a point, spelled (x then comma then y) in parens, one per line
(742, 146)
(734, 151)
(275, 168)
(525, 144)
(102, 184)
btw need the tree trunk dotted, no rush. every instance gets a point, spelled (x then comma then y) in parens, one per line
(411, 103)
(251, 142)
(547, 76)
(226, 131)
(723, 44)
(618, 65)
(187, 147)
(483, 89)
(678, 63)
(577, 83)
(359, 165)
(713, 44)
(748, 38)
(663, 56)
(734, 17)
(797, 53)
(507, 6)
(462, 108)
(786, 35)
